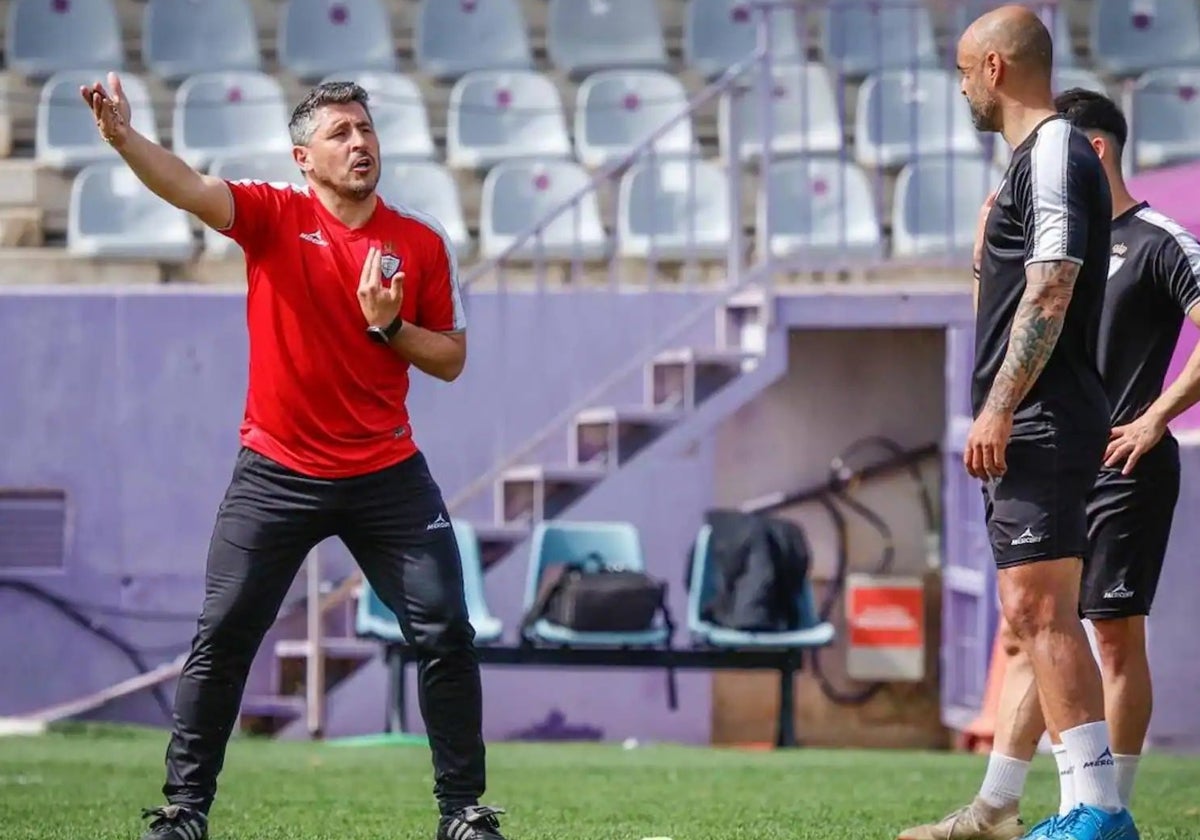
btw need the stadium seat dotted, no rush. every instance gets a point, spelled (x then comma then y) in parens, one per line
(902, 115)
(230, 113)
(819, 208)
(398, 109)
(936, 205)
(112, 214)
(497, 115)
(428, 188)
(861, 37)
(375, 619)
(1128, 37)
(65, 135)
(271, 167)
(454, 37)
(1165, 117)
(183, 39)
(318, 37)
(615, 544)
(616, 110)
(1054, 16)
(43, 37)
(583, 36)
(519, 194)
(805, 118)
(674, 210)
(719, 33)
(812, 631)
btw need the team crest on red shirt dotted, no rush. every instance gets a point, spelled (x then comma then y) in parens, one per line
(389, 264)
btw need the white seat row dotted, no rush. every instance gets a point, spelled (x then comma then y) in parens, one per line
(503, 115)
(669, 210)
(455, 37)
(112, 214)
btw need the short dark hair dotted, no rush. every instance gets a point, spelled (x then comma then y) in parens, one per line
(304, 122)
(1092, 111)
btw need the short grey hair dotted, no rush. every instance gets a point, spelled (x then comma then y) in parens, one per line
(304, 119)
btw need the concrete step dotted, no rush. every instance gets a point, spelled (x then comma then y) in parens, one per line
(497, 540)
(54, 266)
(533, 493)
(608, 436)
(332, 646)
(683, 378)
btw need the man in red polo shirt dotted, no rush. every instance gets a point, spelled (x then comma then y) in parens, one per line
(345, 294)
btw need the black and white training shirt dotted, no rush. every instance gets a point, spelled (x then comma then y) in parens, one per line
(1153, 282)
(1053, 205)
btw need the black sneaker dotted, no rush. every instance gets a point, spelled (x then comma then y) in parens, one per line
(175, 822)
(478, 822)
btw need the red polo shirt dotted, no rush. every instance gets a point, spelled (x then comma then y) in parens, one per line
(323, 399)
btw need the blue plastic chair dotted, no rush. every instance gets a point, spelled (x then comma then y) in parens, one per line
(556, 543)
(374, 618)
(812, 631)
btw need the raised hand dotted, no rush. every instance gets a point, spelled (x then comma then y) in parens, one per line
(110, 110)
(380, 304)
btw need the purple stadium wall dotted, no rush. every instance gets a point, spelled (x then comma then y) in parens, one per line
(130, 403)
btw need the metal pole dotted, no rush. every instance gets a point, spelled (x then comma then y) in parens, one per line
(314, 680)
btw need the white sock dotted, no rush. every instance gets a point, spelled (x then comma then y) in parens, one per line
(1094, 771)
(1066, 780)
(1004, 781)
(1126, 769)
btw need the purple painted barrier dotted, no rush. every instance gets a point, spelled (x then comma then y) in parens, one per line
(130, 403)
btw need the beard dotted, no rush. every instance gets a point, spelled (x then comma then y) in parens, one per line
(984, 114)
(352, 186)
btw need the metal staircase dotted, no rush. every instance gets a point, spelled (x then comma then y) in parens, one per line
(600, 440)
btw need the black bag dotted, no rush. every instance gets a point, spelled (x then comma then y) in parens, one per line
(759, 567)
(588, 597)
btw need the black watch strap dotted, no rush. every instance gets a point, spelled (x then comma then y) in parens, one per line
(383, 335)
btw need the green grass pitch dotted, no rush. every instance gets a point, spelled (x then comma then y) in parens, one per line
(88, 783)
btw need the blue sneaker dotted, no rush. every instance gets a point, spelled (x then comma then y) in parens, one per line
(1085, 822)
(1043, 830)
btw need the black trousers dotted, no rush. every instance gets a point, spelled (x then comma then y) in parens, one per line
(395, 525)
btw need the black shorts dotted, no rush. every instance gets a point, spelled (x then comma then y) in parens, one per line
(1129, 524)
(1037, 510)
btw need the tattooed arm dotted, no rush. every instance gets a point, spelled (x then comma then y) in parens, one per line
(1056, 191)
(1035, 330)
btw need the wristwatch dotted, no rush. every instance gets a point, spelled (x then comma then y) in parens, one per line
(384, 335)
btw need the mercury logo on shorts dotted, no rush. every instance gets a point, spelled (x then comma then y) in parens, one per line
(1027, 538)
(440, 522)
(1119, 591)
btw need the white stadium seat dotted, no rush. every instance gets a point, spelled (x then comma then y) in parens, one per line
(230, 113)
(113, 214)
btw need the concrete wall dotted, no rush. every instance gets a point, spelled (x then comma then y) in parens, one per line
(842, 386)
(130, 402)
